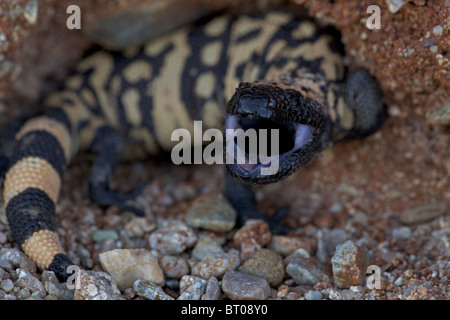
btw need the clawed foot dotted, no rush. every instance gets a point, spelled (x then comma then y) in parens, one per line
(273, 222)
(105, 196)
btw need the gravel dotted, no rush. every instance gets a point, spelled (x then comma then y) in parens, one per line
(313, 295)
(128, 265)
(242, 286)
(349, 264)
(172, 237)
(215, 265)
(213, 291)
(310, 263)
(266, 264)
(150, 291)
(423, 213)
(174, 267)
(305, 271)
(204, 246)
(212, 213)
(193, 292)
(96, 286)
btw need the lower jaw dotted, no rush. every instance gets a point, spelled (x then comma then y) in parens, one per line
(246, 177)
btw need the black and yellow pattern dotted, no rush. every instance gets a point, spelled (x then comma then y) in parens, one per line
(133, 101)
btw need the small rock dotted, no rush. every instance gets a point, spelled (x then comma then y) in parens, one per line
(172, 237)
(3, 238)
(265, 264)
(242, 286)
(401, 233)
(437, 30)
(138, 226)
(27, 265)
(55, 288)
(282, 291)
(418, 291)
(411, 287)
(10, 258)
(347, 295)
(423, 213)
(395, 5)
(150, 291)
(439, 116)
(128, 265)
(193, 292)
(31, 11)
(327, 242)
(96, 286)
(334, 295)
(400, 281)
(212, 290)
(298, 254)
(303, 269)
(213, 213)
(216, 264)
(129, 293)
(254, 230)
(313, 295)
(248, 250)
(358, 290)
(189, 280)
(174, 267)
(32, 284)
(428, 42)
(349, 264)
(7, 285)
(101, 235)
(9, 297)
(286, 245)
(24, 294)
(204, 246)
(4, 274)
(359, 219)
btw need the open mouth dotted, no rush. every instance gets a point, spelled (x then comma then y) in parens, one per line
(293, 125)
(280, 140)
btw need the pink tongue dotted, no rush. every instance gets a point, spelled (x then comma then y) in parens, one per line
(249, 167)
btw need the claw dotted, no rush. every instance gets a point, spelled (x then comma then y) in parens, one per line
(274, 222)
(102, 195)
(126, 207)
(124, 196)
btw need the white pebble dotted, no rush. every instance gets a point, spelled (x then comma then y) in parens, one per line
(438, 30)
(395, 5)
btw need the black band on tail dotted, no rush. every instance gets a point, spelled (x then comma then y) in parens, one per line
(28, 212)
(59, 266)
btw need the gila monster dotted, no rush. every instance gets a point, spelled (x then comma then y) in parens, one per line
(246, 71)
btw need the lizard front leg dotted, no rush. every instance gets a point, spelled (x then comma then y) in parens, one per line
(242, 198)
(108, 146)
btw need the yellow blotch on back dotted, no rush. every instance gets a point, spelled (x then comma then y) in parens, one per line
(212, 114)
(169, 111)
(210, 53)
(130, 101)
(305, 29)
(136, 71)
(205, 85)
(216, 27)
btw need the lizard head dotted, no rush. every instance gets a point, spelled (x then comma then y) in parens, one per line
(294, 127)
